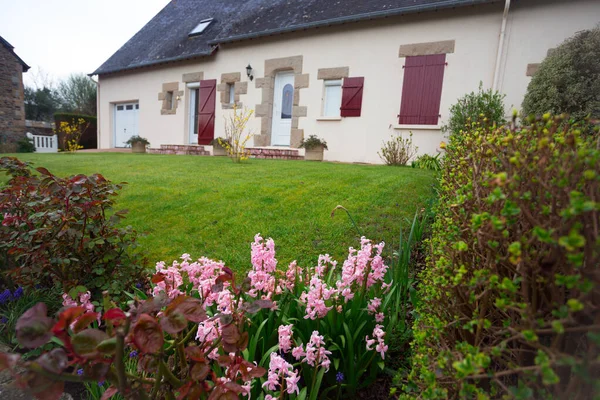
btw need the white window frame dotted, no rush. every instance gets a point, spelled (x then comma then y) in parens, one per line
(231, 92)
(192, 112)
(331, 83)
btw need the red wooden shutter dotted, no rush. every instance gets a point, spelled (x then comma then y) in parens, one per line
(352, 92)
(422, 89)
(433, 77)
(206, 111)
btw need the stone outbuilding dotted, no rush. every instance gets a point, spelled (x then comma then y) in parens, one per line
(12, 106)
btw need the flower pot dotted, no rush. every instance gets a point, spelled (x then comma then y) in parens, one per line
(314, 154)
(138, 147)
(219, 151)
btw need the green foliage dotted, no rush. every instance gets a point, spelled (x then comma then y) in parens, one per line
(568, 80)
(397, 150)
(484, 105)
(137, 139)
(25, 145)
(77, 94)
(507, 299)
(63, 231)
(69, 116)
(425, 161)
(313, 142)
(40, 104)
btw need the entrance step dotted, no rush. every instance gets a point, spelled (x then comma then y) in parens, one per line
(181, 149)
(277, 154)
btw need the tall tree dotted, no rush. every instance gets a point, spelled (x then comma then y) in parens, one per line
(78, 94)
(41, 103)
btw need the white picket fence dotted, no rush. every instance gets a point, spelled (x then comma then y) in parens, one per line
(44, 144)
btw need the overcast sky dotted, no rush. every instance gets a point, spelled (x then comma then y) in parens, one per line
(64, 36)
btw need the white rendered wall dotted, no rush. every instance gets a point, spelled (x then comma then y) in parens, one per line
(369, 49)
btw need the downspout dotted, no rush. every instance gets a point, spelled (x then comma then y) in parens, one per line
(97, 110)
(495, 82)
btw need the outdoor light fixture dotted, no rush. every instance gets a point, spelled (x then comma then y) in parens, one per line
(249, 72)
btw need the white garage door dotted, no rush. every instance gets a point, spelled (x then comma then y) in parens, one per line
(126, 122)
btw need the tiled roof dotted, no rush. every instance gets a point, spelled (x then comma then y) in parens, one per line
(11, 49)
(165, 37)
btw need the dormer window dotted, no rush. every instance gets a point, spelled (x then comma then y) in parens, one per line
(201, 27)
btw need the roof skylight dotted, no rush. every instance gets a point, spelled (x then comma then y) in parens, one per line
(200, 27)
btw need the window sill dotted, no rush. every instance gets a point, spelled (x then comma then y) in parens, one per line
(418, 127)
(329, 118)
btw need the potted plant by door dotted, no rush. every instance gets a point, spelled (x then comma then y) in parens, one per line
(314, 148)
(138, 144)
(219, 146)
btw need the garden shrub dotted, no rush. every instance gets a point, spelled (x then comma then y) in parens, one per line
(425, 161)
(397, 150)
(63, 231)
(568, 80)
(485, 105)
(25, 145)
(316, 332)
(510, 296)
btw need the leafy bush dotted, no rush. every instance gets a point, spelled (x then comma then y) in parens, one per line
(137, 139)
(509, 295)
(397, 150)
(425, 161)
(568, 80)
(313, 142)
(63, 231)
(483, 105)
(236, 136)
(318, 331)
(25, 145)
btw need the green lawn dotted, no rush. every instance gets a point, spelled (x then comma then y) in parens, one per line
(209, 206)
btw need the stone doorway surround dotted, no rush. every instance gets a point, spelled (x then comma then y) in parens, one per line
(264, 110)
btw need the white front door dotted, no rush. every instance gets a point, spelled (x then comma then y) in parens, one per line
(283, 98)
(126, 122)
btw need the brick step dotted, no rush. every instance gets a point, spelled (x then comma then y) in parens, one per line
(276, 154)
(188, 152)
(182, 147)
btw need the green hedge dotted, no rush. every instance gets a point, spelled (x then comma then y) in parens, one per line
(511, 295)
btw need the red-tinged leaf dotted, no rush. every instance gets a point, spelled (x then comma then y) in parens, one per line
(84, 321)
(224, 360)
(264, 303)
(194, 353)
(225, 319)
(192, 309)
(114, 315)
(230, 335)
(147, 334)
(154, 304)
(8, 361)
(243, 342)
(55, 361)
(43, 171)
(66, 318)
(34, 327)
(44, 388)
(191, 391)
(85, 343)
(234, 387)
(173, 323)
(108, 393)
(217, 288)
(251, 308)
(255, 372)
(158, 277)
(108, 346)
(96, 371)
(223, 278)
(147, 364)
(199, 372)
(228, 271)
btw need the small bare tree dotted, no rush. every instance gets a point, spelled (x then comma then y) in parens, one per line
(397, 150)
(236, 136)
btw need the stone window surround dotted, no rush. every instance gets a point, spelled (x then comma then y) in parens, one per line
(427, 48)
(264, 111)
(239, 87)
(330, 74)
(162, 96)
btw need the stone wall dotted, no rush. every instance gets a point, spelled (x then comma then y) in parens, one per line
(12, 108)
